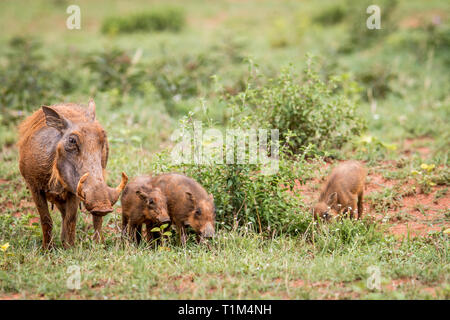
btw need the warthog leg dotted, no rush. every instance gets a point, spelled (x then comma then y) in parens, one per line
(124, 227)
(360, 204)
(135, 231)
(46, 220)
(69, 221)
(97, 228)
(182, 233)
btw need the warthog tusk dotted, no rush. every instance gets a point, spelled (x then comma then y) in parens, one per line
(115, 193)
(123, 183)
(80, 185)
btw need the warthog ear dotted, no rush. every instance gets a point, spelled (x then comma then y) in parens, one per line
(54, 119)
(191, 197)
(91, 109)
(157, 189)
(332, 199)
(142, 195)
(211, 197)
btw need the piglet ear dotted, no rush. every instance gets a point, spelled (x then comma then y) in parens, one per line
(332, 199)
(142, 195)
(91, 109)
(54, 119)
(191, 197)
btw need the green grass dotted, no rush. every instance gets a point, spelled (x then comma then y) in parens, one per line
(237, 265)
(403, 78)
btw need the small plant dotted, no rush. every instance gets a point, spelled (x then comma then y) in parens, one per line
(368, 146)
(424, 177)
(4, 247)
(162, 235)
(3, 254)
(158, 19)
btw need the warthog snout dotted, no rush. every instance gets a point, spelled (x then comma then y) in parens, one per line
(99, 198)
(98, 208)
(209, 231)
(164, 219)
(101, 212)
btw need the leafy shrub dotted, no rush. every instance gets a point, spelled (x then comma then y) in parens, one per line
(158, 19)
(313, 111)
(115, 69)
(331, 15)
(25, 82)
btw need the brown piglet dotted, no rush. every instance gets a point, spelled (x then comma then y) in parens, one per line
(342, 192)
(188, 203)
(142, 204)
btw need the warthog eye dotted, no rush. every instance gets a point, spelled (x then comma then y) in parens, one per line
(71, 144)
(151, 201)
(198, 212)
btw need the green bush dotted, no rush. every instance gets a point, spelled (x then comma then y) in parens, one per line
(158, 19)
(26, 83)
(331, 15)
(244, 197)
(115, 69)
(311, 110)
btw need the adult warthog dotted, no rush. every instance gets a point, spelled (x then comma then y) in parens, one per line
(63, 152)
